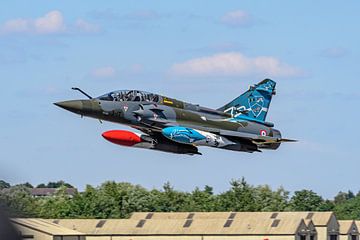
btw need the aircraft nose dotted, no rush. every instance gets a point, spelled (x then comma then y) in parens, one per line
(75, 106)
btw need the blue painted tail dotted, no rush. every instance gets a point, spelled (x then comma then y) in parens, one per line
(254, 103)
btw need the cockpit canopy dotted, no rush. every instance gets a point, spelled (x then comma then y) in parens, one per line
(130, 95)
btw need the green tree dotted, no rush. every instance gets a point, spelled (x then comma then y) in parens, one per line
(110, 199)
(208, 190)
(306, 200)
(268, 200)
(170, 200)
(202, 200)
(119, 200)
(326, 206)
(4, 184)
(137, 199)
(57, 206)
(18, 201)
(349, 209)
(85, 204)
(54, 185)
(27, 184)
(241, 197)
(342, 197)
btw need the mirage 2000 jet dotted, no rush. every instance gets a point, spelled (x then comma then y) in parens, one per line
(171, 125)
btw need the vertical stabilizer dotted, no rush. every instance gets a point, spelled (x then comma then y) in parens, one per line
(254, 103)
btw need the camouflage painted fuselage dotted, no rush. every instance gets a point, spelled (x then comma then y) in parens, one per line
(151, 117)
(176, 126)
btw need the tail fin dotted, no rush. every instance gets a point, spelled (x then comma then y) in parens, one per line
(254, 103)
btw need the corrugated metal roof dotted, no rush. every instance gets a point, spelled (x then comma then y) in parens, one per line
(45, 226)
(245, 226)
(347, 226)
(357, 223)
(309, 223)
(200, 215)
(198, 223)
(318, 218)
(81, 225)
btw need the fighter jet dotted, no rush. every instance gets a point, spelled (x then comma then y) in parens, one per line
(170, 125)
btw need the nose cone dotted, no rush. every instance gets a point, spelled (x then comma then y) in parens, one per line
(75, 106)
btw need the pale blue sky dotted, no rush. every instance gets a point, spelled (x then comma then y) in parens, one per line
(198, 51)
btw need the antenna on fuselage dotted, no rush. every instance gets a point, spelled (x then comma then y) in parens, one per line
(78, 89)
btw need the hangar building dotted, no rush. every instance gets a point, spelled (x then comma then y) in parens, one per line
(195, 226)
(326, 224)
(348, 230)
(31, 228)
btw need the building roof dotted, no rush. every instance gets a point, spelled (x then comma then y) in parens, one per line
(81, 225)
(44, 226)
(318, 218)
(193, 223)
(245, 226)
(357, 223)
(347, 227)
(51, 191)
(179, 215)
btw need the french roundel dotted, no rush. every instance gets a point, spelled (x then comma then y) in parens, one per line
(263, 133)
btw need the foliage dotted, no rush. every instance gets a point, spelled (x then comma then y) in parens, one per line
(241, 197)
(4, 184)
(18, 201)
(306, 200)
(54, 185)
(119, 200)
(342, 197)
(349, 209)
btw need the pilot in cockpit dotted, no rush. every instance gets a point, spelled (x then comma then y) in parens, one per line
(137, 96)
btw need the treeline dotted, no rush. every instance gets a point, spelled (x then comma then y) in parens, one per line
(119, 200)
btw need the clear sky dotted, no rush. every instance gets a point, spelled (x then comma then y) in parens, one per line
(205, 52)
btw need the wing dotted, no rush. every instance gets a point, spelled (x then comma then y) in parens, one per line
(158, 124)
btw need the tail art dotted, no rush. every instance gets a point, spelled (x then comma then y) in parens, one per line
(254, 103)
